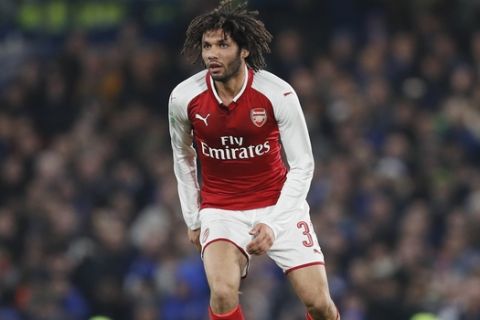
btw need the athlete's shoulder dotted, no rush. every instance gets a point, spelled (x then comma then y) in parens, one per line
(270, 84)
(188, 89)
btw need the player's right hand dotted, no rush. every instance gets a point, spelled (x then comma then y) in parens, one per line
(194, 237)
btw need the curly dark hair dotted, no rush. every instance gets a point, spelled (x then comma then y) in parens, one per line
(235, 20)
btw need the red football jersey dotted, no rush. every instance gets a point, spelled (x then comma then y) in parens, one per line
(238, 145)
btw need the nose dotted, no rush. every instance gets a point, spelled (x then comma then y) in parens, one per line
(212, 54)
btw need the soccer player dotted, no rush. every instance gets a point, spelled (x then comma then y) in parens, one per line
(234, 117)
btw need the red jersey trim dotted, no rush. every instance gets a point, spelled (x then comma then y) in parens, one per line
(236, 245)
(304, 266)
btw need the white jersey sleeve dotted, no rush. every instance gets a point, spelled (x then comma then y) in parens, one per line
(298, 150)
(184, 155)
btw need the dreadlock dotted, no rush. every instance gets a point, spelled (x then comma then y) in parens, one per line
(242, 25)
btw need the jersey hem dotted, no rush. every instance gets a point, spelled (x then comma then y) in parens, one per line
(250, 206)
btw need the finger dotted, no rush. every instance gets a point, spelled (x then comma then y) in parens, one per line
(197, 245)
(256, 240)
(258, 252)
(261, 238)
(256, 248)
(255, 231)
(259, 245)
(252, 247)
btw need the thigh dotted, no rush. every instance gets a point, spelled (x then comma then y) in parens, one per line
(224, 264)
(223, 237)
(297, 247)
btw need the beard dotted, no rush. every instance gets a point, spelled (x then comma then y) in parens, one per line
(231, 69)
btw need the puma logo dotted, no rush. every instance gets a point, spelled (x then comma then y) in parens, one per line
(197, 116)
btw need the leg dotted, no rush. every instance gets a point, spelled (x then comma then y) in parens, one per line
(223, 263)
(310, 285)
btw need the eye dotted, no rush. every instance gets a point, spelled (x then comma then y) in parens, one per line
(206, 45)
(224, 45)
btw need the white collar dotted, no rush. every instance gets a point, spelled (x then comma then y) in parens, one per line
(244, 86)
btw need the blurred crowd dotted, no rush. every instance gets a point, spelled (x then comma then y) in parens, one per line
(90, 222)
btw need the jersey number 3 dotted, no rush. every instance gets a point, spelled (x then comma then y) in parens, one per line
(306, 231)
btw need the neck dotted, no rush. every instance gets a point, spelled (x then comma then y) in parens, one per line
(227, 90)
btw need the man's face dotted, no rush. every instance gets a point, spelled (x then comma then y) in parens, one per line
(221, 55)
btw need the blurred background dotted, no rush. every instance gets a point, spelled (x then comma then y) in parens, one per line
(90, 222)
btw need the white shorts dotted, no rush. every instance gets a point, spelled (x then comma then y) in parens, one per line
(296, 246)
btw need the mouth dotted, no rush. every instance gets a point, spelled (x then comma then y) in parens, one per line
(214, 67)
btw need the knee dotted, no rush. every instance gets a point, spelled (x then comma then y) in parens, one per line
(224, 295)
(322, 307)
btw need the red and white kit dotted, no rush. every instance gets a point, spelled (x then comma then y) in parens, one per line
(242, 170)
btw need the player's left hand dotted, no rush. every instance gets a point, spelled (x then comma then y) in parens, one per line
(262, 239)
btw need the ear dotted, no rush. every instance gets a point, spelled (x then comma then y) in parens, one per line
(244, 53)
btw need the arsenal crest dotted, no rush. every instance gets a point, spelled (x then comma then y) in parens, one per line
(258, 116)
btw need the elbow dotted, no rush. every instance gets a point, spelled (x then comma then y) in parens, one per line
(304, 168)
(309, 168)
